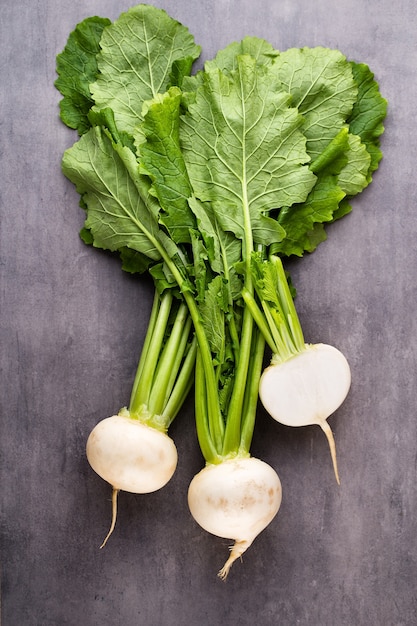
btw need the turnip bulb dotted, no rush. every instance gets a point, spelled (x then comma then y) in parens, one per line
(307, 388)
(235, 499)
(131, 456)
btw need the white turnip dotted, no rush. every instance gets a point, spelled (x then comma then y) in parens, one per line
(131, 456)
(305, 383)
(131, 450)
(307, 388)
(235, 499)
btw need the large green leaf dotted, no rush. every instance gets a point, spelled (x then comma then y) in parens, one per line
(141, 53)
(322, 86)
(368, 113)
(76, 68)
(107, 177)
(157, 141)
(325, 89)
(243, 149)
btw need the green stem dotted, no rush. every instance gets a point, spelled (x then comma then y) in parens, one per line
(165, 372)
(288, 306)
(252, 392)
(259, 318)
(232, 434)
(216, 427)
(149, 358)
(182, 386)
(232, 437)
(234, 336)
(146, 344)
(278, 325)
(182, 353)
(277, 320)
(205, 439)
(169, 361)
(213, 406)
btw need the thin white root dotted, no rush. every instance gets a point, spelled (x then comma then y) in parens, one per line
(328, 432)
(115, 493)
(236, 552)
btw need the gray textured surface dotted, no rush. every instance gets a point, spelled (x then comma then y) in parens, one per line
(71, 330)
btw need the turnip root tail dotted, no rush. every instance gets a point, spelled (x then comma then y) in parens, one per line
(236, 551)
(115, 493)
(328, 432)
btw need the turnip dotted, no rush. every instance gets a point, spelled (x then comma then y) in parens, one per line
(305, 383)
(307, 388)
(236, 499)
(131, 456)
(132, 450)
(235, 496)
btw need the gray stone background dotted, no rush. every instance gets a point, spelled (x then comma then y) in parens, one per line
(72, 325)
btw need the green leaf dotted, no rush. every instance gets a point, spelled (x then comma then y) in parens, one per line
(107, 177)
(206, 222)
(176, 254)
(267, 229)
(212, 311)
(223, 249)
(227, 59)
(86, 236)
(322, 86)
(334, 156)
(226, 389)
(316, 235)
(77, 67)
(200, 256)
(368, 113)
(300, 220)
(343, 209)
(141, 53)
(163, 278)
(181, 69)
(161, 158)
(134, 262)
(105, 118)
(243, 148)
(354, 176)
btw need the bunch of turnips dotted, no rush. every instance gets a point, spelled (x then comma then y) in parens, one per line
(207, 182)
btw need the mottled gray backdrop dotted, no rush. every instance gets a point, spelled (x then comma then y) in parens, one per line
(72, 325)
